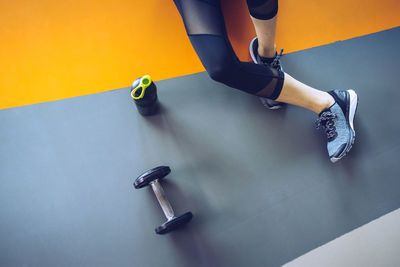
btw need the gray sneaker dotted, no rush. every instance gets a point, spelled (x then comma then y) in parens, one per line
(276, 64)
(337, 121)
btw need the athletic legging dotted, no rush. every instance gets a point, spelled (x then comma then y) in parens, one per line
(205, 26)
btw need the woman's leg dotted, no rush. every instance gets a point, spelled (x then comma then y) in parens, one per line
(336, 109)
(263, 13)
(300, 94)
(205, 26)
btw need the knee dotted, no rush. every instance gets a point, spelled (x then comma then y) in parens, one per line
(220, 73)
(217, 75)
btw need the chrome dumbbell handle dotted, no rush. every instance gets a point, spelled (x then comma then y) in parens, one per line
(162, 199)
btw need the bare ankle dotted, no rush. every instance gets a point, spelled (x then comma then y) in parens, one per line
(265, 51)
(330, 100)
(326, 102)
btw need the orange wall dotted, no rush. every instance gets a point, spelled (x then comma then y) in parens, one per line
(57, 49)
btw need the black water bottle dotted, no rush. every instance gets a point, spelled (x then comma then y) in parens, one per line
(144, 93)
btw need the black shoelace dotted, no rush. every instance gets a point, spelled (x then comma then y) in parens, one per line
(275, 63)
(325, 121)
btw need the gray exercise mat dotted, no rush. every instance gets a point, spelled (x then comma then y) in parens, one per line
(259, 182)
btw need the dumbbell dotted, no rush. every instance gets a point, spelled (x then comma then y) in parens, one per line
(152, 177)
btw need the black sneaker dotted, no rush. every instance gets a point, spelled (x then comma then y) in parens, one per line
(276, 64)
(337, 121)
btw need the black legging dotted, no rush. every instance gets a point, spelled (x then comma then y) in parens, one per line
(205, 26)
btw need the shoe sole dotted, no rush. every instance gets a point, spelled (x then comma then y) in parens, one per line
(253, 57)
(351, 111)
(272, 107)
(266, 105)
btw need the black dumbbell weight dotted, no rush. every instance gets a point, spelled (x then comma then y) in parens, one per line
(152, 177)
